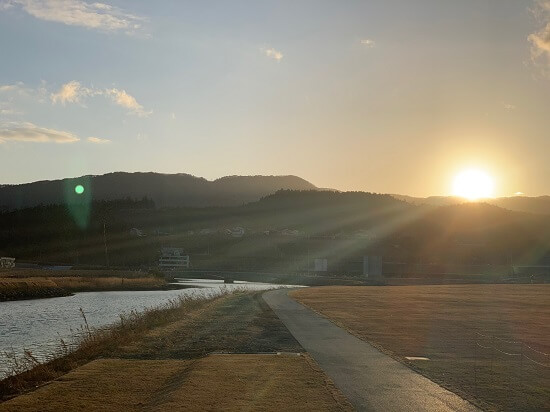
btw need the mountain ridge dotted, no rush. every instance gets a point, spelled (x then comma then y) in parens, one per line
(527, 204)
(166, 190)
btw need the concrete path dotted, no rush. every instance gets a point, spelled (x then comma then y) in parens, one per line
(371, 380)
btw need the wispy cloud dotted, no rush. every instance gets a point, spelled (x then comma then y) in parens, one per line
(540, 40)
(123, 99)
(8, 112)
(8, 88)
(74, 92)
(18, 88)
(98, 140)
(99, 16)
(28, 132)
(368, 43)
(272, 53)
(508, 106)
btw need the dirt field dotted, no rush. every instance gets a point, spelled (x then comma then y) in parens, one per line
(217, 382)
(489, 343)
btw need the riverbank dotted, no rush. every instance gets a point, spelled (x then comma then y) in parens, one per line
(35, 284)
(219, 353)
(27, 372)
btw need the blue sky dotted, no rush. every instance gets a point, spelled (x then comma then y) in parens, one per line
(387, 96)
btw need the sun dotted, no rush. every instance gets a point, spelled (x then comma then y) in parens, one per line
(473, 184)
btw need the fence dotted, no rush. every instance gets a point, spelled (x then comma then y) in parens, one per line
(515, 368)
(524, 349)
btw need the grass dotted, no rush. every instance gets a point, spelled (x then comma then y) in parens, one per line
(13, 289)
(27, 372)
(93, 273)
(242, 323)
(484, 342)
(216, 382)
(34, 283)
(163, 360)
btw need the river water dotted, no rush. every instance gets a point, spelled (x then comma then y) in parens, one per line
(38, 325)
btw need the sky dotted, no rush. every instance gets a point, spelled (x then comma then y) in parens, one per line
(388, 96)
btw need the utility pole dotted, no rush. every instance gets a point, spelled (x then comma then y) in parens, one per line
(105, 244)
(308, 264)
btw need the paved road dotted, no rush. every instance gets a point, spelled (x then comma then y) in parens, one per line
(371, 380)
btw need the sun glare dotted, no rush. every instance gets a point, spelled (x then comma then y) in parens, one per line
(473, 184)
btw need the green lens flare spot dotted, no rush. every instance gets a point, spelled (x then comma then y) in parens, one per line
(79, 189)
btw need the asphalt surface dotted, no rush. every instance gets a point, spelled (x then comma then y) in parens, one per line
(371, 380)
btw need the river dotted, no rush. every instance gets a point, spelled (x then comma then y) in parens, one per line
(38, 325)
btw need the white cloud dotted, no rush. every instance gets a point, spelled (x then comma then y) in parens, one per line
(98, 16)
(540, 40)
(18, 88)
(508, 106)
(368, 43)
(123, 99)
(28, 132)
(272, 53)
(74, 92)
(98, 140)
(70, 92)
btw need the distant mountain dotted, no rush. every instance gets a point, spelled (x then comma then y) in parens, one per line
(166, 190)
(540, 205)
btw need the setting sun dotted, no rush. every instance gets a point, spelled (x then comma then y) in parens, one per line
(473, 184)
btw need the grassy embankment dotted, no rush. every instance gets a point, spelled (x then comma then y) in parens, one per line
(484, 342)
(18, 284)
(166, 360)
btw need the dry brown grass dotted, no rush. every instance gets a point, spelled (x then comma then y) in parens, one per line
(217, 382)
(28, 287)
(80, 284)
(442, 323)
(27, 373)
(94, 273)
(17, 284)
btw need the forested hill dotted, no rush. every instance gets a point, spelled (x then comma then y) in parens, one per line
(347, 224)
(166, 190)
(540, 204)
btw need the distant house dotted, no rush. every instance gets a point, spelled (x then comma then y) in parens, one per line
(290, 232)
(173, 258)
(236, 232)
(7, 262)
(136, 232)
(320, 265)
(365, 234)
(372, 266)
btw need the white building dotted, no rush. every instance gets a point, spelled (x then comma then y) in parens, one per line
(173, 258)
(320, 265)
(7, 262)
